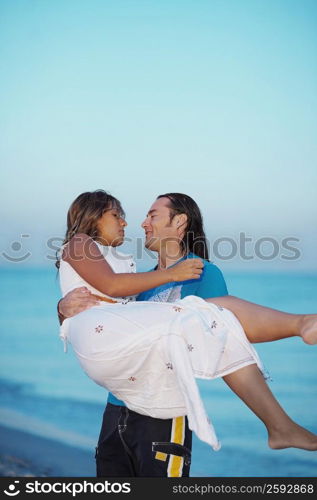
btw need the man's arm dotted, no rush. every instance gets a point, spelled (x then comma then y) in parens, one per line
(74, 302)
(60, 316)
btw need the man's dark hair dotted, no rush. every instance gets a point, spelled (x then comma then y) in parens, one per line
(194, 239)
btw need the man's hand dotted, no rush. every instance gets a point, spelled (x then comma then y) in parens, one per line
(76, 301)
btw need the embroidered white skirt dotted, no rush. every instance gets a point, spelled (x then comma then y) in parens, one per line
(149, 353)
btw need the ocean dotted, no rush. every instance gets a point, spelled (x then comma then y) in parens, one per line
(44, 391)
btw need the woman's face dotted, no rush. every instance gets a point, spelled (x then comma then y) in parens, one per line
(111, 228)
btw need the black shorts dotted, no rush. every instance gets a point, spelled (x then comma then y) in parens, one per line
(134, 445)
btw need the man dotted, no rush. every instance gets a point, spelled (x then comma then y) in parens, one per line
(130, 444)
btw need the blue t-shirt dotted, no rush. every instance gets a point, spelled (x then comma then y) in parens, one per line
(210, 284)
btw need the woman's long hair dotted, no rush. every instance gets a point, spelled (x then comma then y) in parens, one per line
(84, 213)
(194, 239)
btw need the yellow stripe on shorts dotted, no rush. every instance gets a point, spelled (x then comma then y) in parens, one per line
(175, 464)
(160, 456)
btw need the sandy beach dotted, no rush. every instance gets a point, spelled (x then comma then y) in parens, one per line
(25, 455)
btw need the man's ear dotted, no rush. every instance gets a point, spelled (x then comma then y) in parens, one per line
(181, 221)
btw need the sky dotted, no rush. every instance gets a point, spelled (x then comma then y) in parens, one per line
(213, 98)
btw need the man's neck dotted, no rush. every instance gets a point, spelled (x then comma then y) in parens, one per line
(170, 257)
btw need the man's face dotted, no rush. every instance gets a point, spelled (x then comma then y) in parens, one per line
(158, 227)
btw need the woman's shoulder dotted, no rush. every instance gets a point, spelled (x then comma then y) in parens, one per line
(80, 239)
(79, 246)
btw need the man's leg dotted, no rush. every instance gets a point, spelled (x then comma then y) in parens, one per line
(112, 459)
(263, 324)
(160, 447)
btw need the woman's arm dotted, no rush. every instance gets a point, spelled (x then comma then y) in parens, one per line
(84, 256)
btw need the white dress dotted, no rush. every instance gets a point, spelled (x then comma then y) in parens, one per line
(149, 353)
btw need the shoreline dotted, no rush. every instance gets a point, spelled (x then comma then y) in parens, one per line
(23, 454)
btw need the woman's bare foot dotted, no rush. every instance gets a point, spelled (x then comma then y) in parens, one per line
(308, 328)
(292, 436)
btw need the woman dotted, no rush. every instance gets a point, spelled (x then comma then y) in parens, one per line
(147, 354)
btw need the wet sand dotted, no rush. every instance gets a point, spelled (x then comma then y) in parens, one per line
(25, 455)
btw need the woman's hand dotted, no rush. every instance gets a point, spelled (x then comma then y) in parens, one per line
(188, 269)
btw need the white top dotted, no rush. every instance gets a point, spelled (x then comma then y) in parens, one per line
(118, 261)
